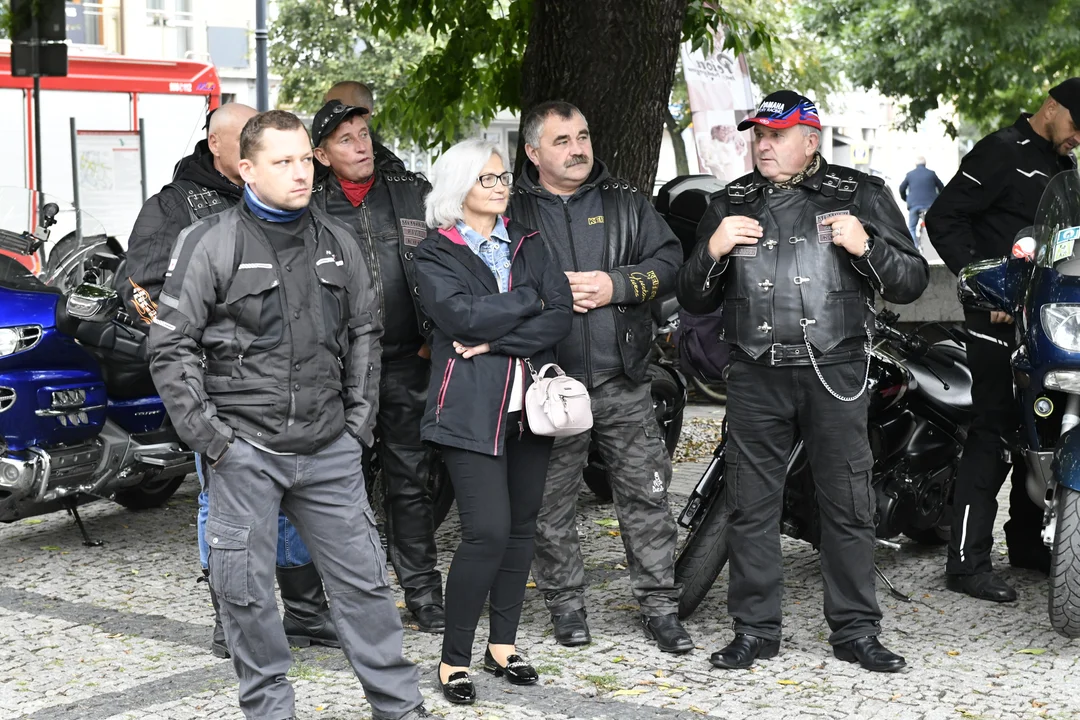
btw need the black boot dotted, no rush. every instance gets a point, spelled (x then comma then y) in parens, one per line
(217, 644)
(307, 616)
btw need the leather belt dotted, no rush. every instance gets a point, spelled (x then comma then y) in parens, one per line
(792, 355)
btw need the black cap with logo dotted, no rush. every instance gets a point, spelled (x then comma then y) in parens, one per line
(330, 116)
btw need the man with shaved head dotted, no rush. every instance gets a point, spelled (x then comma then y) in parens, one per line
(204, 183)
(357, 94)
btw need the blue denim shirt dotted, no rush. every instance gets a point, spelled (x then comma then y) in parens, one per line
(494, 252)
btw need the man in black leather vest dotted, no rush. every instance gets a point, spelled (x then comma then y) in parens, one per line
(794, 252)
(205, 183)
(619, 254)
(386, 210)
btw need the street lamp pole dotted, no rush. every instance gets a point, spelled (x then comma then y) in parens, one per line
(262, 77)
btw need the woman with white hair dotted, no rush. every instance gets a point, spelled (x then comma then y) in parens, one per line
(497, 299)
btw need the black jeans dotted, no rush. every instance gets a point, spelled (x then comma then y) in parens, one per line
(983, 466)
(766, 406)
(410, 527)
(498, 498)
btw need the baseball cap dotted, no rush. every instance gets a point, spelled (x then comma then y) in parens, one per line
(330, 116)
(1068, 96)
(784, 109)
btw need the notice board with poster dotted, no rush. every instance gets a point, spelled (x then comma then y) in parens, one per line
(108, 181)
(721, 96)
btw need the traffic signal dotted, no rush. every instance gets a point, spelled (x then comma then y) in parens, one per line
(38, 32)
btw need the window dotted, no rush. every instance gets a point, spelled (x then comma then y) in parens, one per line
(176, 23)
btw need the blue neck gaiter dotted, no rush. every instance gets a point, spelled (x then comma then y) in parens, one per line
(264, 212)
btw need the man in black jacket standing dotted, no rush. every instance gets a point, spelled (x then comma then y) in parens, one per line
(386, 211)
(266, 353)
(993, 196)
(794, 252)
(618, 254)
(357, 94)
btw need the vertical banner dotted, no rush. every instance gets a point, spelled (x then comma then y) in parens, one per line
(720, 97)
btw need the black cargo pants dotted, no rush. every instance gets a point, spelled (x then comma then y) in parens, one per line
(766, 406)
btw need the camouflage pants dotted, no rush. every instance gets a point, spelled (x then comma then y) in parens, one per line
(630, 443)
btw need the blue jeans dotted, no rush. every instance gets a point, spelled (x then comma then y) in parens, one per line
(291, 551)
(913, 223)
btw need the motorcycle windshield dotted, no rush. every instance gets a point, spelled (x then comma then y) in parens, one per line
(44, 240)
(1057, 225)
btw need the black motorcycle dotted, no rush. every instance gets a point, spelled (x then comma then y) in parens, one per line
(920, 408)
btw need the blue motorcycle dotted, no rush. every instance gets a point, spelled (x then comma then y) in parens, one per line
(79, 416)
(1039, 286)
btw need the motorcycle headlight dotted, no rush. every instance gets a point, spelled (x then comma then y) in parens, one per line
(1061, 323)
(17, 339)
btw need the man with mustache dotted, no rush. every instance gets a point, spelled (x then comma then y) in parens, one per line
(794, 253)
(386, 211)
(619, 254)
(991, 198)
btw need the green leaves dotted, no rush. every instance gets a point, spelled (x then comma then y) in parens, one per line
(441, 67)
(989, 59)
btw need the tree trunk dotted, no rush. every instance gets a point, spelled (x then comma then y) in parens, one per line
(675, 130)
(615, 60)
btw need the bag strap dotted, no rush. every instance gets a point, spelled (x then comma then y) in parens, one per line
(537, 376)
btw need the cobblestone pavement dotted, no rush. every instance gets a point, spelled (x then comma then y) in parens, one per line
(121, 632)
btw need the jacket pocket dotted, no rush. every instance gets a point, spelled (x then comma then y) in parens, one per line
(230, 392)
(230, 561)
(444, 387)
(256, 304)
(335, 304)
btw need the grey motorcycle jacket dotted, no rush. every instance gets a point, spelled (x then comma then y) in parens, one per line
(221, 346)
(794, 285)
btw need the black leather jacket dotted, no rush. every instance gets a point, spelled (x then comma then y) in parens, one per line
(828, 292)
(390, 224)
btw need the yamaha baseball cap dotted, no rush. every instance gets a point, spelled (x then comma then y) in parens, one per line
(784, 109)
(1068, 96)
(330, 116)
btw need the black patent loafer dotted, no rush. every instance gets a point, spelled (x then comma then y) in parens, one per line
(430, 619)
(870, 654)
(516, 670)
(571, 629)
(984, 586)
(458, 688)
(741, 652)
(668, 633)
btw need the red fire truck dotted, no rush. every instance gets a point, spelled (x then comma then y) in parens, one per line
(110, 95)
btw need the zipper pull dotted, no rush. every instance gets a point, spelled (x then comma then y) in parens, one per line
(521, 429)
(339, 363)
(240, 359)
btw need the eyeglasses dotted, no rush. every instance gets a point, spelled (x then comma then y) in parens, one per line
(491, 179)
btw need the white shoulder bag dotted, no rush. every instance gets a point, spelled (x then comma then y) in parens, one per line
(557, 406)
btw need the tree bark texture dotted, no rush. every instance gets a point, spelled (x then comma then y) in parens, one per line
(615, 60)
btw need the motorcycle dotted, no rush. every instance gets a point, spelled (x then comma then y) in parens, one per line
(920, 408)
(79, 416)
(1039, 286)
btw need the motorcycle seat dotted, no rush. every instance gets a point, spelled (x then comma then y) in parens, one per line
(121, 350)
(944, 383)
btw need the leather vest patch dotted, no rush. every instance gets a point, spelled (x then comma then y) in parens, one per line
(413, 231)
